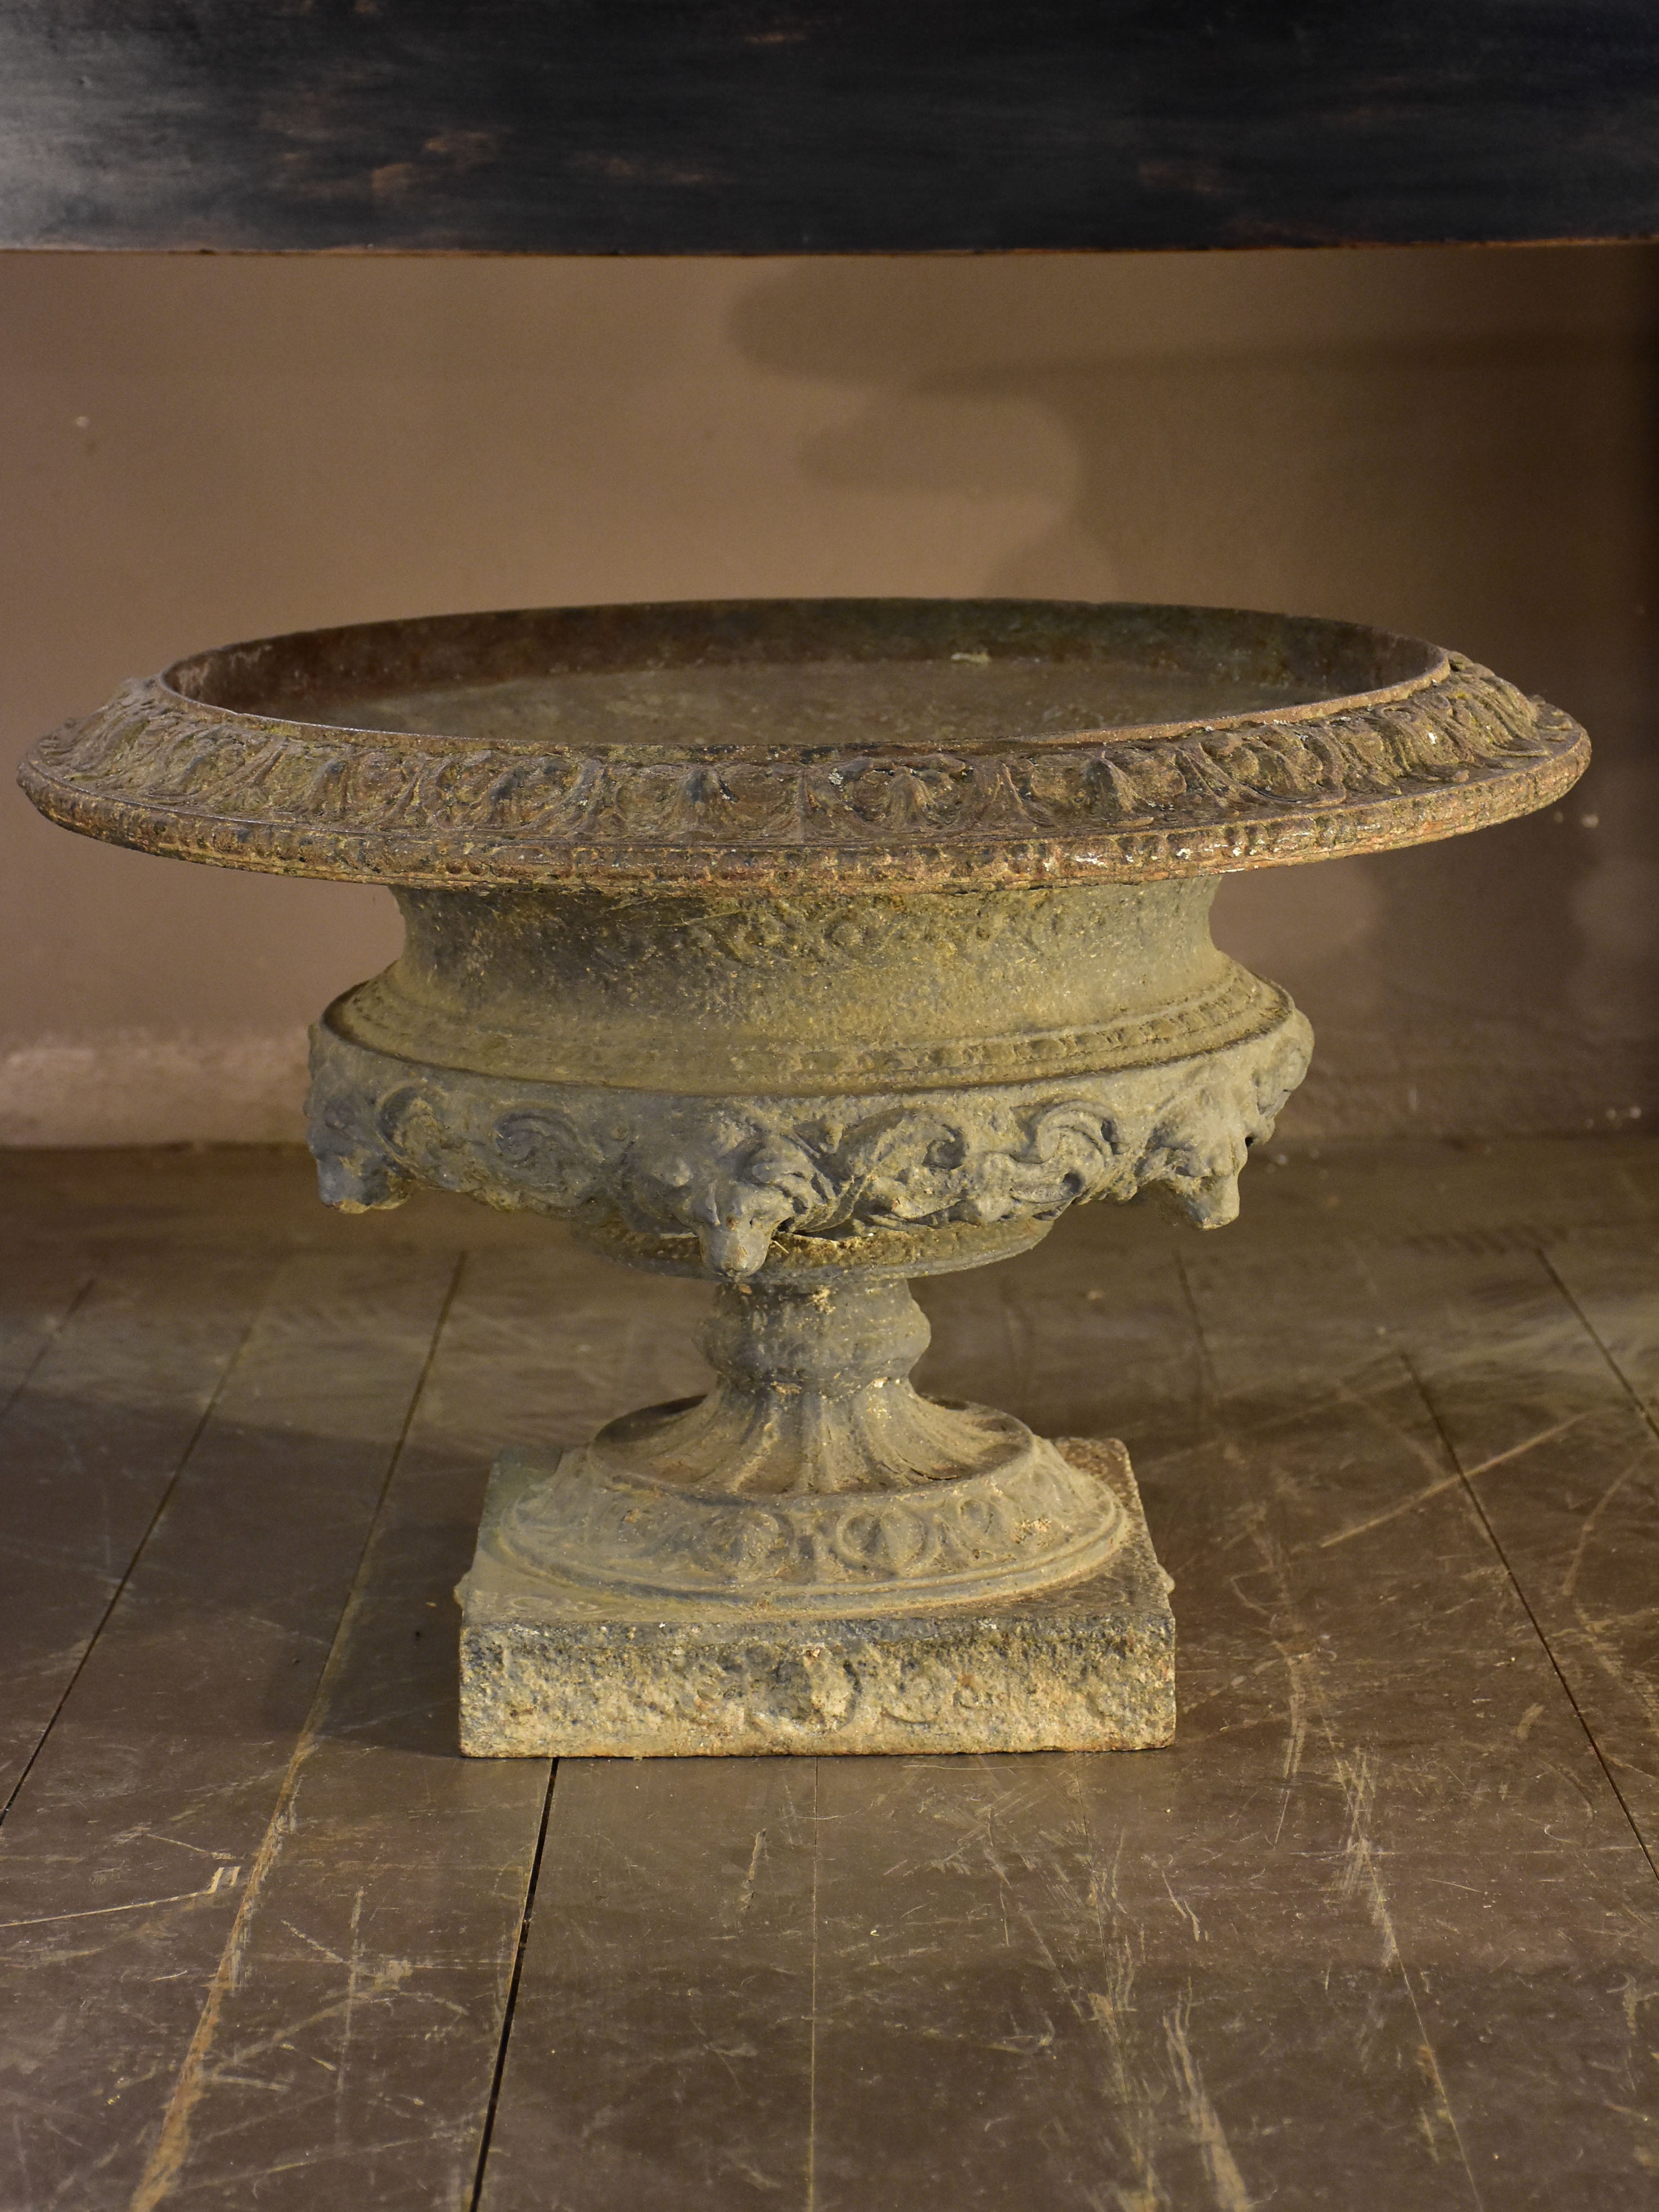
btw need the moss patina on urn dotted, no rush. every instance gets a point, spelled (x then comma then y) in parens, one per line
(806, 947)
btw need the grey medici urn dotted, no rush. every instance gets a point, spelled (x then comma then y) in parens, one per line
(806, 947)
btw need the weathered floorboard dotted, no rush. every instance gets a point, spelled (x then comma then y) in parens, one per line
(661, 2055)
(38, 1292)
(349, 2052)
(92, 1437)
(1376, 1931)
(1506, 1885)
(127, 1851)
(1556, 1446)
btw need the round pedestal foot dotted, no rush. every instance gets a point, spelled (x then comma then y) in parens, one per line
(813, 1477)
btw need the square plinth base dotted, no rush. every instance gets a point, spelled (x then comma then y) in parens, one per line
(1090, 1667)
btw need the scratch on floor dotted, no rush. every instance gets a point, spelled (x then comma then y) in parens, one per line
(224, 1877)
(1359, 1871)
(1110, 2007)
(353, 1993)
(1133, 2103)
(1436, 2121)
(323, 1949)
(752, 2174)
(1399, 1433)
(1183, 1909)
(1393, 1512)
(1359, 1875)
(1298, 1668)
(1103, 1892)
(1587, 1526)
(746, 1893)
(386, 1980)
(1444, 1482)
(165, 2161)
(1226, 2181)
(1612, 1663)
(132, 1836)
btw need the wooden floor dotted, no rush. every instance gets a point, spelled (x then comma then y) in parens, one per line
(1381, 1931)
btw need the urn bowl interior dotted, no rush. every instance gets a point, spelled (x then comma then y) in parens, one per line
(765, 678)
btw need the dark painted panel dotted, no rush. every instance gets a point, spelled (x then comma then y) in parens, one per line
(775, 126)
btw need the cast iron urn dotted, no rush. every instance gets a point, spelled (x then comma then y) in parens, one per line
(807, 946)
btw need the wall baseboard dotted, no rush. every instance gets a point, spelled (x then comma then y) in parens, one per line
(144, 1087)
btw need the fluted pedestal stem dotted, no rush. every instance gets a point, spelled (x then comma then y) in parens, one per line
(812, 1394)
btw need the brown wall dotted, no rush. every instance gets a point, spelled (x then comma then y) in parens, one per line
(1455, 443)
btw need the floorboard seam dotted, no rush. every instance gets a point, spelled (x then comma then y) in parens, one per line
(167, 2160)
(1228, 1438)
(150, 1526)
(1209, 1383)
(511, 2007)
(48, 1341)
(1473, 1496)
(1588, 1326)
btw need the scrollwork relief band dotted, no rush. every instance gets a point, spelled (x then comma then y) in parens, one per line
(734, 1171)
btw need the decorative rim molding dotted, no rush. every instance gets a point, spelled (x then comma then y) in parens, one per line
(169, 773)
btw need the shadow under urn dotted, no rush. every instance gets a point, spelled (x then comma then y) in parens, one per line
(807, 946)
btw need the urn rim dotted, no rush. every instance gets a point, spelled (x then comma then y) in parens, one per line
(1321, 737)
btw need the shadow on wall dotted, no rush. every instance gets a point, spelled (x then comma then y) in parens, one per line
(1457, 444)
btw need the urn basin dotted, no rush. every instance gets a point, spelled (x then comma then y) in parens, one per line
(806, 947)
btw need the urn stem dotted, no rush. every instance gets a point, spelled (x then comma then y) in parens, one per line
(811, 1394)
